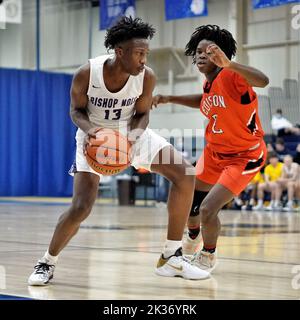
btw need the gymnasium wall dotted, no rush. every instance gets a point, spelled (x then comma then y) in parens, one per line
(65, 34)
(266, 41)
(272, 44)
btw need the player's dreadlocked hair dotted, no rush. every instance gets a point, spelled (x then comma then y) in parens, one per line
(127, 28)
(220, 37)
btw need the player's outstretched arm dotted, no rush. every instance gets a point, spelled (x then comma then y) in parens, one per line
(254, 77)
(192, 100)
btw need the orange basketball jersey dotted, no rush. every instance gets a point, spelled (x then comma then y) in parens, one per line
(233, 127)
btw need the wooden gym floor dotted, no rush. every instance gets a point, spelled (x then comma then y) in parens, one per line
(114, 254)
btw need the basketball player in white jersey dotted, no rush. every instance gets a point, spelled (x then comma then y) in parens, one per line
(115, 91)
(287, 181)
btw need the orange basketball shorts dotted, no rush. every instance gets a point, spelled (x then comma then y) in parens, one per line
(233, 171)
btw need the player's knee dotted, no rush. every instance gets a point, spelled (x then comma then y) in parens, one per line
(206, 213)
(79, 211)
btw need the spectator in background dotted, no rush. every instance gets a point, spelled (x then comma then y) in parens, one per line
(270, 150)
(297, 154)
(271, 174)
(252, 189)
(297, 188)
(282, 125)
(280, 149)
(287, 181)
(270, 147)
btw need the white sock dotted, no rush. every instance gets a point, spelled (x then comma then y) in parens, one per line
(170, 247)
(260, 202)
(49, 258)
(238, 201)
(252, 201)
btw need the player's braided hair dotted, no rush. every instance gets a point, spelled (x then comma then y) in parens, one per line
(220, 37)
(125, 29)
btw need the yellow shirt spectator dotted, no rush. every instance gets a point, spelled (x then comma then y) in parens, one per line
(272, 172)
(258, 178)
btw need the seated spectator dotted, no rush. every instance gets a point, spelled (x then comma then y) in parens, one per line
(252, 189)
(270, 147)
(271, 174)
(282, 125)
(297, 155)
(280, 149)
(270, 150)
(297, 188)
(287, 181)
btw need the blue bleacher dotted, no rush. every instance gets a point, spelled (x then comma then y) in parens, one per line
(291, 139)
(285, 98)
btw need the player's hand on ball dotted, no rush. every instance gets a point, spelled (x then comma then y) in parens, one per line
(217, 56)
(90, 134)
(159, 98)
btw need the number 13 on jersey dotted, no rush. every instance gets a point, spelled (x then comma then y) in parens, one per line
(113, 114)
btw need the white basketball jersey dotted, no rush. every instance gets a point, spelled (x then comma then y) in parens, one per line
(107, 109)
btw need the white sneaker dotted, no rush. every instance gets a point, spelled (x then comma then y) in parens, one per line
(252, 202)
(277, 207)
(178, 266)
(270, 207)
(191, 246)
(238, 202)
(288, 207)
(205, 260)
(258, 207)
(247, 207)
(42, 274)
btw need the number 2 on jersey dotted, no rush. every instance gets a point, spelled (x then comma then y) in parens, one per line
(117, 114)
(214, 126)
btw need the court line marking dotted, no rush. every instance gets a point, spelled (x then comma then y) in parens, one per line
(13, 297)
(130, 248)
(134, 249)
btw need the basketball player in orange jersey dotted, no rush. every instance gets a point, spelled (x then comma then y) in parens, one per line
(235, 149)
(115, 91)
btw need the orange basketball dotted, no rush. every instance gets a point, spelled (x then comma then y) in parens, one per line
(108, 154)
